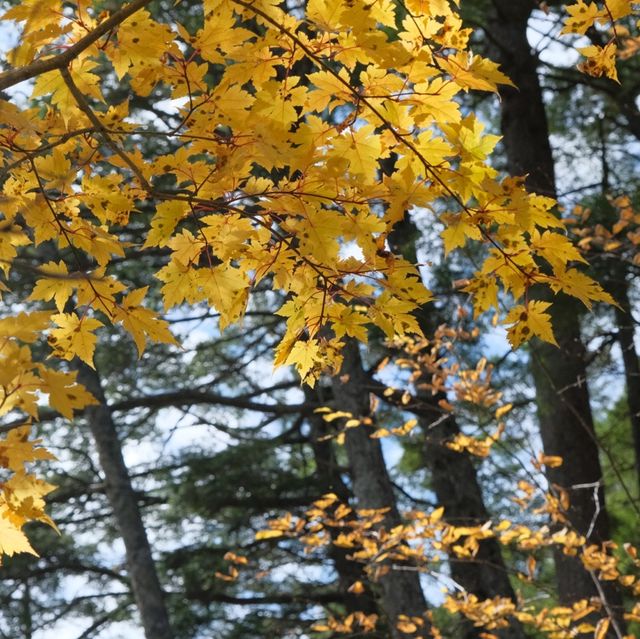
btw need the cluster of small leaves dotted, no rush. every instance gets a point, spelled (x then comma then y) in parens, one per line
(434, 369)
(620, 238)
(425, 540)
(600, 59)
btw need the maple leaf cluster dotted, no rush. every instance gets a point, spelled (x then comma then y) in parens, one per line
(302, 141)
(619, 41)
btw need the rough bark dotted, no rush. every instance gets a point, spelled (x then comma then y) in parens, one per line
(401, 592)
(564, 412)
(122, 498)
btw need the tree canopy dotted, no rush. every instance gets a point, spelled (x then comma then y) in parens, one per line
(268, 168)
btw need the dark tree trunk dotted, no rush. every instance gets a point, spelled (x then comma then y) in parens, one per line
(122, 498)
(330, 481)
(401, 592)
(626, 339)
(454, 477)
(560, 377)
(455, 482)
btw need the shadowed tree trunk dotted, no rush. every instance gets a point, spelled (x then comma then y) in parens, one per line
(626, 339)
(455, 482)
(331, 481)
(122, 498)
(560, 376)
(401, 592)
(454, 478)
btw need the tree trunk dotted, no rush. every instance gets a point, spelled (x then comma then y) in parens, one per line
(560, 377)
(454, 478)
(455, 482)
(401, 592)
(626, 339)
(330, 480)
(122, 498)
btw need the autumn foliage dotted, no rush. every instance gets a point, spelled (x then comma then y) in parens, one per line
(305, 137)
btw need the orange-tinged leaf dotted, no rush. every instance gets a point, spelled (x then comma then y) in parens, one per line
(357, 588)
(602, 628)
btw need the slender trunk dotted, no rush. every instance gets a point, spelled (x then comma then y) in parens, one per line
(331, 481)
(124, 504)
(560, 377)
(27, 620)
(567, 430)
(455, 481)
(454, 477)
(626, 339)
(401, 592)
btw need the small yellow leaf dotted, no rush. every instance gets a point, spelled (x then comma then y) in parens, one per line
(268, 534)
(12, 539)
(551, 461)
(74, 337)
(503, 410)
(601, 628)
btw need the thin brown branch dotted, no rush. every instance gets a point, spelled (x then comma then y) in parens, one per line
(84, 106)
(62, 60)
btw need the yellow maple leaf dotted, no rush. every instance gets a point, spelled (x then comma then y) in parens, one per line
(346, 320)
(26, 327)
(24, 493)
(581, 17)
(226, 288)
(142, 323)
(74, 337)
(474, 72)
(305, 356)
(600, 61)
(619, 8)
(59, 287)
(52, 83)
(141, 44)
(362, 149)
(12, 539)
(180, 283)
(65, 394)
(555, 248)
(16, 449)
(459, 228)
(529, 321)
(164, 222)
(580, 285)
